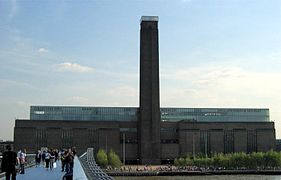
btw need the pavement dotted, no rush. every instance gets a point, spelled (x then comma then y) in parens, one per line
(34, 173)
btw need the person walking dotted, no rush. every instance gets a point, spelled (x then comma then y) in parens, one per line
(56, 155)
(69, 159)
(38, 158)
(52, 157)
(9, 163)
(62, 158)
(47, 159)
(43, 156)
(22, 160)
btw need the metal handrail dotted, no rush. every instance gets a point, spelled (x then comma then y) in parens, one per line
(30, 161)
(92, 170)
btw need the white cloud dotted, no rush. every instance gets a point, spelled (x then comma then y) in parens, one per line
(23, 104)
(73, 67)
(224, 86)
(123, 92)
(78, 100)
(14, 9)
(221, 86)
(6, 85)
(43, 50)
(123, 95)
(186, 1)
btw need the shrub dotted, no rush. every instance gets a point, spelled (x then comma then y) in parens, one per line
(114, 160)
(102, 158)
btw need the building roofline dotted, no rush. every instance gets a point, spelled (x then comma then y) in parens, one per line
(83, 106)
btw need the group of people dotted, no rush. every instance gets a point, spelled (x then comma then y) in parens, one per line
(48, 158)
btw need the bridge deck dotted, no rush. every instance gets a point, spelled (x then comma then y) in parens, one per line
(43, 174)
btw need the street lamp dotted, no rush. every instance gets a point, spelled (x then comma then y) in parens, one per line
(124, 149)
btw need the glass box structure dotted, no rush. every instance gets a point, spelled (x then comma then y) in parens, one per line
(82, 113)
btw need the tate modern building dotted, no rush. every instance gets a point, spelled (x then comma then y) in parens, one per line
(147, 134)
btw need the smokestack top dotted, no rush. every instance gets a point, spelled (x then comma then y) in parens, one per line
(149, 18)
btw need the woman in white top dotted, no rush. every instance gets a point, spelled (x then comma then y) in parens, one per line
(47, 159)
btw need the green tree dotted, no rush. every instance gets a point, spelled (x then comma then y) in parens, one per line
(256, 160)
(272, 159)
(199, 162)
(189, 161)
(238, 160)
(176, 162)
(209, 162)
(113, 159)
(101, 158)
(220, 160)
(182, 162)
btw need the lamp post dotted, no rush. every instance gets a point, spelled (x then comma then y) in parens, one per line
(206, 144)
(124, 149)
(138, 164)
(193, 145)
(106, 143)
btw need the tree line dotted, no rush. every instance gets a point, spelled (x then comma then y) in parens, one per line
(255, 160)
(111, 158)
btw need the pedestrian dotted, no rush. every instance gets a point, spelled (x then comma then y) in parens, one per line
(66, 160)
(38, 158)
(62, 158)
(72, 154)
(52, 157)
(69, 161)
(56, 155)
(43, 156)
(22, 160)
(47, 159)
(9, 163)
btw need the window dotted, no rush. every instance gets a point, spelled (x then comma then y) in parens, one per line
(39, 112)
(169, 141)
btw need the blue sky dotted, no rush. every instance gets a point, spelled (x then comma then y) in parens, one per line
(213, 53)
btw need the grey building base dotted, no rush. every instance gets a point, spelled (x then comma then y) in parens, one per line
(183, 137)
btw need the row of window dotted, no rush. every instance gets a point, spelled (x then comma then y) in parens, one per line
(210, 110)
(134, 110)
(163, 141)
(130, 114)
(84, 110)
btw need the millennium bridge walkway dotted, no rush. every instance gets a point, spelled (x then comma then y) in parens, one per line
(85, 167)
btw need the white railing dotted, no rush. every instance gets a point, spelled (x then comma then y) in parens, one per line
(92, 170)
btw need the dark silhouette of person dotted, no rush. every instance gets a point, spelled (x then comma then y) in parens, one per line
(38, 158)
(9, 163)
(69, 162)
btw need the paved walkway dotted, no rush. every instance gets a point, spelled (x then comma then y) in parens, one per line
(55, 174)
(42, 173)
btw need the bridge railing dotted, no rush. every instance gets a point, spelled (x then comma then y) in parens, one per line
(30, 161)
(0, 163)
(92, 170)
